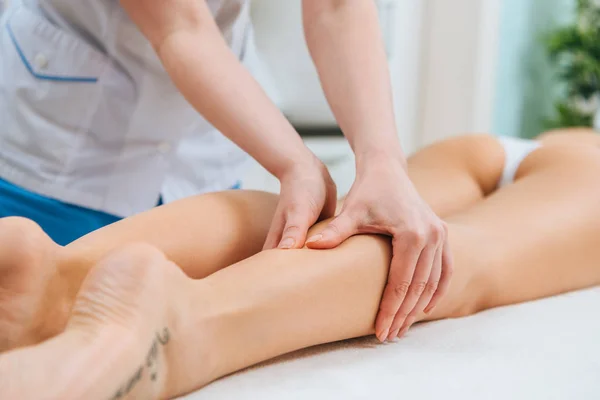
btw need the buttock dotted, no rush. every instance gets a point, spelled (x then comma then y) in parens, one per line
(563, 159)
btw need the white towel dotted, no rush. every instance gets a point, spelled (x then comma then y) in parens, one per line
(548, 349)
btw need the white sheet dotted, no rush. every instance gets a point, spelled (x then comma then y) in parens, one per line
(548, 349)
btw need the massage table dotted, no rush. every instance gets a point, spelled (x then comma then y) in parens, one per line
(547, 349)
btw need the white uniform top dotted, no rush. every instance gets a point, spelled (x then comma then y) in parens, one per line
(89, 116)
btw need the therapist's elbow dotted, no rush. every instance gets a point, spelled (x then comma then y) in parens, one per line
(325, 14)
(323, 7)
(158, 19)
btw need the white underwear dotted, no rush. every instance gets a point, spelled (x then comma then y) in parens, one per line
(515, 150)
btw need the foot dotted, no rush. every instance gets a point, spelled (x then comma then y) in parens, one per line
(29, 296)
(117, 341)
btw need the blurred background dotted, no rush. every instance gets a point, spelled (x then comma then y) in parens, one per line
(508, 67)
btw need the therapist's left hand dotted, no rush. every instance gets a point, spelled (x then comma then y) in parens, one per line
(383, 200)
(307, 195)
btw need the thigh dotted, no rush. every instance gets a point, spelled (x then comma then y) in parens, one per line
(537, 237)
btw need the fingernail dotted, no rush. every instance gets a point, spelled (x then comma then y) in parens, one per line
(287, 243)
(314, 238)
(383, 335)
(394, 335)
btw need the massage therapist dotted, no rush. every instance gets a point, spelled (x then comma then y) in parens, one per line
(100, 105)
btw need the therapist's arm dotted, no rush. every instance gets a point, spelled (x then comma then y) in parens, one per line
(199, 62)
(201, 65)
(345, 42)
(344, 39)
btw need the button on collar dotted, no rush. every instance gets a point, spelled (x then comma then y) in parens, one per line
(41, 61)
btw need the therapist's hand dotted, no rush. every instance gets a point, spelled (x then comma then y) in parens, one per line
(383, 200)
(307, 195)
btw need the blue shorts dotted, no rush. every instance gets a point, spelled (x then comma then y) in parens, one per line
(63, 222)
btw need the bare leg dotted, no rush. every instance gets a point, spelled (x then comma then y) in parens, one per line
(279, 301)
(231, 226)
(182, 232)
(539, 236)
(223, 227)
(39, 279)
(228, 227)
(451, 176)
(512, 247)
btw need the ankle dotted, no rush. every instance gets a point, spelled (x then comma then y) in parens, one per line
(195, 356)
(70, 270)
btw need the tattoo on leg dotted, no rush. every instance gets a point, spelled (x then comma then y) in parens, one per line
(165, 337)
(151, 364)
(134, 380)
(152, 354)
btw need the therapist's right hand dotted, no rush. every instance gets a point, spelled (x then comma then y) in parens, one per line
(307, 195)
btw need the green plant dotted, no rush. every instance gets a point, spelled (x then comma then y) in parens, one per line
(575, 51)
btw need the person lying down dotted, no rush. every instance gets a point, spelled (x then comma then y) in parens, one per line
(163, 303)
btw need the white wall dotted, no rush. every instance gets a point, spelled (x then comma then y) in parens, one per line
(405, 44)
(287, 72)
(459, 67)
(442, 56)
(279, 59)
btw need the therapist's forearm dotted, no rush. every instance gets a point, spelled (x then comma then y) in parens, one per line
(208, 74)
(222, 90)
(345, 43)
